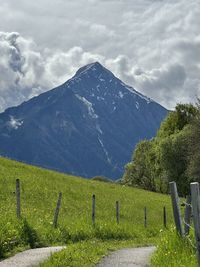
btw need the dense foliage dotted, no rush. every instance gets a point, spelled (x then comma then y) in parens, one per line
(173, 155)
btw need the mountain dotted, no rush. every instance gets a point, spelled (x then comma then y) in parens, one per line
(88, 126)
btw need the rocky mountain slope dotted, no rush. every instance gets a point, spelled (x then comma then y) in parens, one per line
(87, 126)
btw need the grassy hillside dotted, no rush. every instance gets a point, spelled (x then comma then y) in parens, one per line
(174, 251)
(39, 192)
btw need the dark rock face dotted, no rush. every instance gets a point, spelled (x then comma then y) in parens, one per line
(88, 126)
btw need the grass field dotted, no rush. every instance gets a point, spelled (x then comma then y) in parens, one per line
(39, 192)
(174, 251)
(87, 253)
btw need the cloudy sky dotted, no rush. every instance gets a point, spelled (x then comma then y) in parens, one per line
(153, 45)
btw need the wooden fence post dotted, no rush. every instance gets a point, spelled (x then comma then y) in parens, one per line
(176, 208)
(93, 209)
(187, 217)
(55, 221)
(117, 211)
(145, 217)
(18, 200)
(164, 217)
(195, 196)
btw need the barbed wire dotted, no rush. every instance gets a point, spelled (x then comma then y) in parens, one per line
(187, 204)
(187, 224)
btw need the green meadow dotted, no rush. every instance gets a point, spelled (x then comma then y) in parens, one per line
(39, 193)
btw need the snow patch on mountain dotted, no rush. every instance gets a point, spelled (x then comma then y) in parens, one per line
(99, 128)
(14, 123)
(100, 98)
(104, 149)
(121, 95)
(130, 89)
(88, 104)
(84, 70)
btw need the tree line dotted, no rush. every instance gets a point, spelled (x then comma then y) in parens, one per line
(173, 155)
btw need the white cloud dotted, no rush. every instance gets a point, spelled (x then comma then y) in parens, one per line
(101, 31)
(152, 45)
(26, 72)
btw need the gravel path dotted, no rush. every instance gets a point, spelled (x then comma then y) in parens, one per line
(30, 257)
(131, 257)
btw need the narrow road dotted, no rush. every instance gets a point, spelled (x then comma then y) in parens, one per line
(30, 257)
(131, 257)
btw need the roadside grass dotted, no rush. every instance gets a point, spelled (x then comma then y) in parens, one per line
(39, 193)
(88, 253)
(174, 251)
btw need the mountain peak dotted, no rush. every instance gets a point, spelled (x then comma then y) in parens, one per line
(87, 126)
(92, 67)
(95, 75)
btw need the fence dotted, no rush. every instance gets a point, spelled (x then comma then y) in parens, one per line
(93, 209)
(192, 211)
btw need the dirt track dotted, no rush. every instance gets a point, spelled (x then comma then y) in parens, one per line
(30, 257)
(132, 257)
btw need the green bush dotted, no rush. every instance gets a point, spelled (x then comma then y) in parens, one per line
(102, 179)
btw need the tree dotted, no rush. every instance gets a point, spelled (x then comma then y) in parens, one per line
(139, 172)
(194, 151)
(174, 154)
(174, 159)
(177, 120)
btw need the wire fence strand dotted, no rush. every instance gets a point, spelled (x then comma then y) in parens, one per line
(188, 224)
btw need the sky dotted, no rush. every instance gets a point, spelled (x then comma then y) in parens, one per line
(152, 45)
